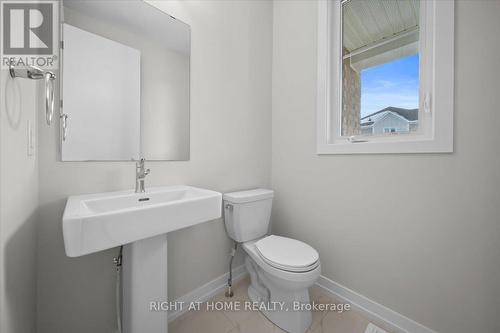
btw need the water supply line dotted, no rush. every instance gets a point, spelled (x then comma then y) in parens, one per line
(118, 263)
(229, 291)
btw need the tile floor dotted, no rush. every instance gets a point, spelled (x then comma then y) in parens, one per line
(211, 321)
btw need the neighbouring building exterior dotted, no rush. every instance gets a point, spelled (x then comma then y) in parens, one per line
(390, 120)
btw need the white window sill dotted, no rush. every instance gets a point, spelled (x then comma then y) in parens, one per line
(390, 145)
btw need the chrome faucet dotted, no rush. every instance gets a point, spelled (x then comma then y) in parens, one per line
(140, 175)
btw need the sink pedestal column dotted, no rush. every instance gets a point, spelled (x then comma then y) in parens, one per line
(144, 276)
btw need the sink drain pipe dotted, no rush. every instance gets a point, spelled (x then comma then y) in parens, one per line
(229, 291)
(118, 263)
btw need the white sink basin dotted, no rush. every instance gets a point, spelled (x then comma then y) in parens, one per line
(96, 222)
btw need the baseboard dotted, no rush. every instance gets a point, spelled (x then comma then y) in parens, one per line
(207, 291)
(373, 310)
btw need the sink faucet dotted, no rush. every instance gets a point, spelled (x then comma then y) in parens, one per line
(140, 175)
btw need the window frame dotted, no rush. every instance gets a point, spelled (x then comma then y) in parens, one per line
(436, 51)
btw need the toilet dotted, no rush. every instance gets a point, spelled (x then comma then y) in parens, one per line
(281, 269)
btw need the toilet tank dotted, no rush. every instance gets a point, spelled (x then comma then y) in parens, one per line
(247, 213)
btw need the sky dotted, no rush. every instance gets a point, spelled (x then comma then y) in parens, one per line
(391, 84)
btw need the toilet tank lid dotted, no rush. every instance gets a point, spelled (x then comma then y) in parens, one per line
(248, 196)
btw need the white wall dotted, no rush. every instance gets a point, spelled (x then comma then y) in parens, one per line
(18, 206)
(230, 150)
(165, 129)
(416, 233)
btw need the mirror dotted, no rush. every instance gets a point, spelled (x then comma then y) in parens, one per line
(125, 82)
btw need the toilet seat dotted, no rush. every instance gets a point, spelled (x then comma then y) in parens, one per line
(287, 254)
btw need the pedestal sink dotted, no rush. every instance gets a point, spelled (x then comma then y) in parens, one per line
(140, 221)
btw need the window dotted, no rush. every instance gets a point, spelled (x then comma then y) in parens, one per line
(385, 76)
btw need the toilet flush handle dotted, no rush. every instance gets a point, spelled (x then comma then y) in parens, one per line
(229, 206)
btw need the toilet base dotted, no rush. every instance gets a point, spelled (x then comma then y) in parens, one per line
(271, 290)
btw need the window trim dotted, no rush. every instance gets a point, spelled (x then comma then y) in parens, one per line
(436, 86)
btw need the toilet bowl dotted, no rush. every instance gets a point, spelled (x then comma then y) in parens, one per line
(273, 284)
(281, 269)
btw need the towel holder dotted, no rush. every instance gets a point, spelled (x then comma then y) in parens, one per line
(35, 73)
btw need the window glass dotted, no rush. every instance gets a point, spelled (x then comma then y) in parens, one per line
(380, 72)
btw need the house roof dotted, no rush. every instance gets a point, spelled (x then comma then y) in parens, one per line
(376, 32)
(408, 114)
(368, 22)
